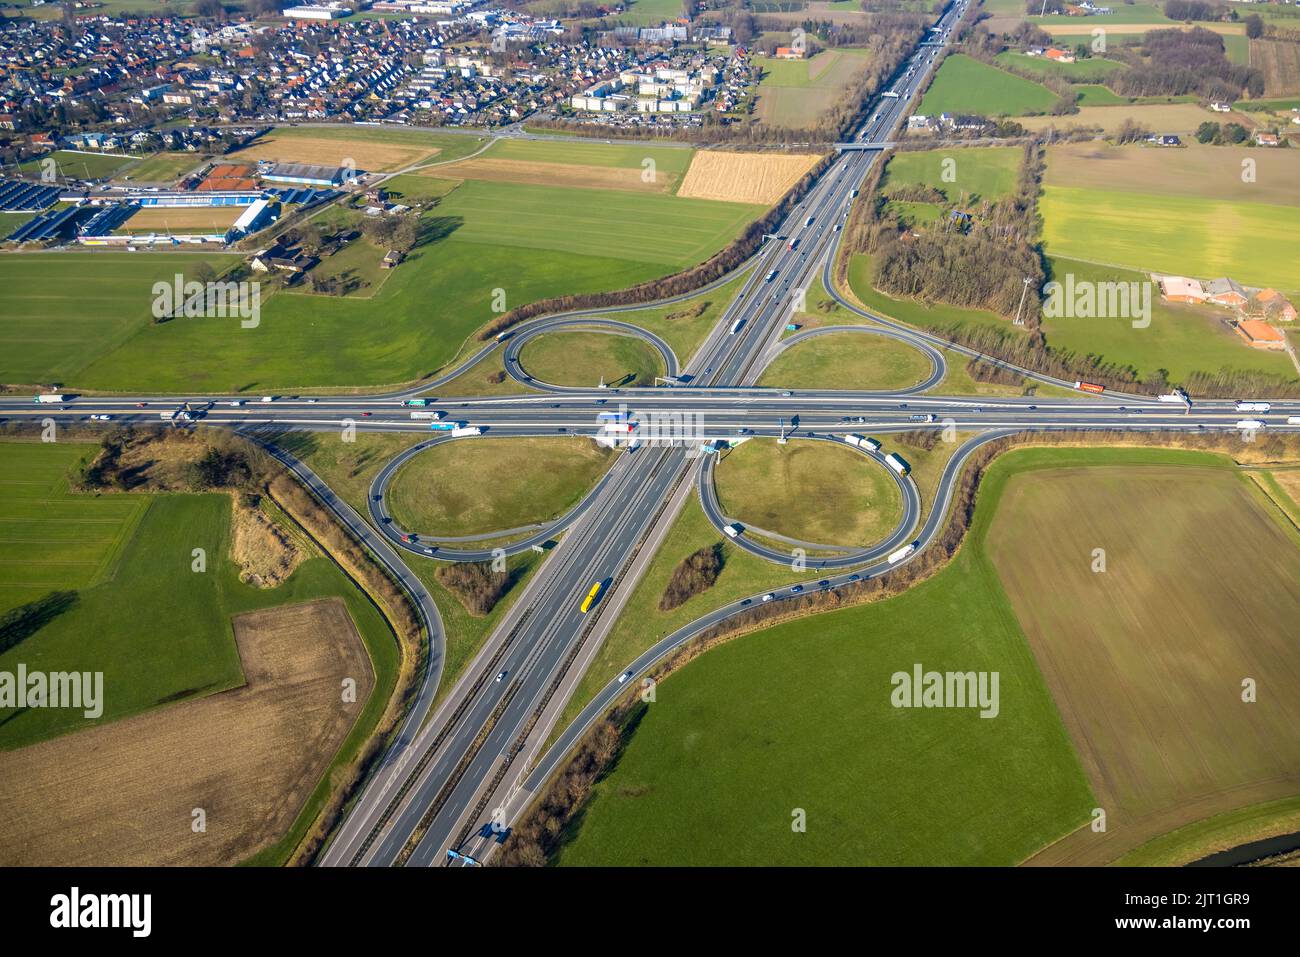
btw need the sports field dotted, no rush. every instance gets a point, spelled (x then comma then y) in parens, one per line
(965, 85)
(978, 174)
(1253, 242)
(487, 485)
(816, 492)
(847, 361)
(587, 358)
(76, 164)
(1180, 338)
(164, 167)
(372, 149)
(793, 93)
(1149, 680)
(528, 241)
(198, 219)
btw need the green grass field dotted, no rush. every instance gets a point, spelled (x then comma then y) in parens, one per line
(1254, 243)
(978, 174)
(847, 361)
(164, 167)
(680, 325)
(793, 93)
(74, 164)
(63, 310)
(1180, 339)
(728, 751)
(964, 85)
(587, 358)
(159, 631)
(348, 469)
(808, 491)
(488, 485)
(530, 242)
(1092, 69)
(671, 160)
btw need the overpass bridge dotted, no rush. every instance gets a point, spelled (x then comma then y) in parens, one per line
(842, 147)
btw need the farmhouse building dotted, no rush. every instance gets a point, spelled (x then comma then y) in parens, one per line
(1226, 292)
(1260, 334)
(1270, 304)
(1180, 289)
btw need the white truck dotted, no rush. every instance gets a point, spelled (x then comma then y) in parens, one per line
(897, 556)
(733, 530)
(428, 415)
(1250, 425)
(1250, 405)
(48, 398)
(897, 463)
(1293, 420)
(168, 415)
(465, 431)
(1179, 397)
(862, 442)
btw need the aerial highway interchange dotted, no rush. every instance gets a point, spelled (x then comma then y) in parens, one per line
(457, 775)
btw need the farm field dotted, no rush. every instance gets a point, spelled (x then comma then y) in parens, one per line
(813, 492)
(847, 360)
(965, 85)
(1180, 118)
(50, 332)
(111, 552)
(712, 776)
(793, 93)
(487, 485)
(1212, 172)
(587, 358)
(1181, 339)
(529, 241)
(979, 174)
(761, 178)
(1253, 242)
(1279, 61)
(370, 149)
(588, 165)
(250, 757)
(1092, 69)
(1159, 723)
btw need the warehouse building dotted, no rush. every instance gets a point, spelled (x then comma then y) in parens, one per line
(301, 174)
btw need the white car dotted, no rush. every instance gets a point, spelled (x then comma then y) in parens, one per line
(769, 597)
(236, 403)
(101, 418)
(624, 676)
(501, 677)
(268, 398)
